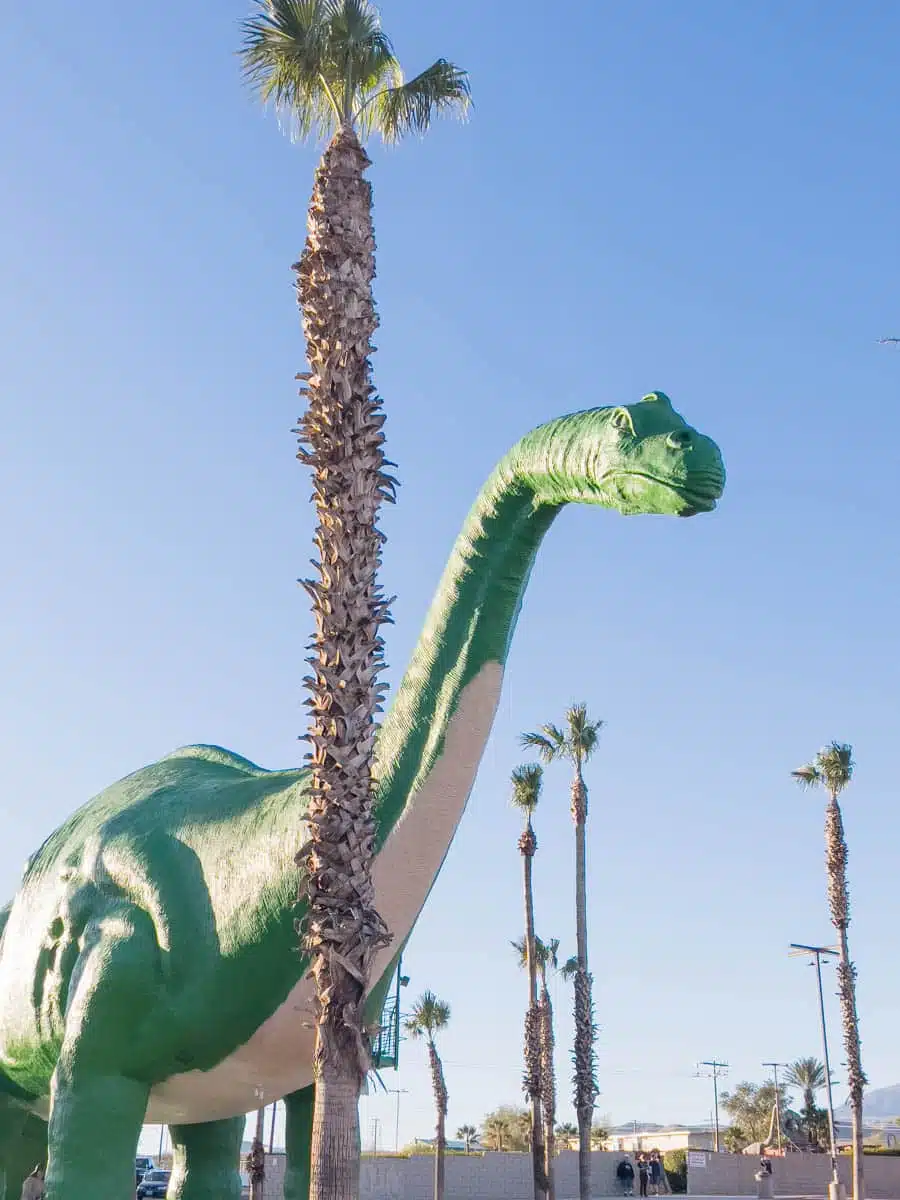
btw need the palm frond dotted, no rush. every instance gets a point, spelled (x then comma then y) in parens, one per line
(544, 952)
(410, 107)
(521, 948)
(569, 968)
(552, 948)
(285, 57)
(832, 768)
(549, 741)
(806, 1073)
(584, 734)
(835, 765)
(807, 776)
(428, 1016)
(527, 781)
(361, 56)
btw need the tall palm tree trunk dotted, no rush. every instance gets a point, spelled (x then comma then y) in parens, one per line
(441, 1101)
(341, 440)
(839, 902)
(256, 1159)
(532, 1081)
(548, 1085)
(585, 1069)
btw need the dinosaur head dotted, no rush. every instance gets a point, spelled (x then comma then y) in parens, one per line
(640, 458)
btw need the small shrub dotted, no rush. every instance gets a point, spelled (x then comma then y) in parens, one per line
(675, 1164)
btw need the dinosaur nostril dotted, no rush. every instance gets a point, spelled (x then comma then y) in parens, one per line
(679, 440)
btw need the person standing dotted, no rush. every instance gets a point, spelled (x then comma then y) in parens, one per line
(625, 1176)
(643, 1173)
(655, 1173)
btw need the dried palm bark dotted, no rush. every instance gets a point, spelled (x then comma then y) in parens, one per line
(548, 1085)
(583, 1056)
(839, 903)
(531, 1080)
(341, 440)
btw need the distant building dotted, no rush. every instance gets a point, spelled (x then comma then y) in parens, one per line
(631, 1139)
(475, 1147)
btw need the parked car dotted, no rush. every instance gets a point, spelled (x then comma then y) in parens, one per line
(154, 1184)
(141, 1167)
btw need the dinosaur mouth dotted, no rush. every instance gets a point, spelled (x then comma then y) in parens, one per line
(699, 491)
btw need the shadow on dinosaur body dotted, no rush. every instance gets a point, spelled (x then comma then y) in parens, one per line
(148, 965)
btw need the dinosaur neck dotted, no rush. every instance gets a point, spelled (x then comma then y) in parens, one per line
(468, 629)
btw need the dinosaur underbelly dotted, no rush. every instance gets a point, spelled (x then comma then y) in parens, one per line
(277, 1059)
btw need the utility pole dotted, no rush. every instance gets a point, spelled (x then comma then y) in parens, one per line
(775, 1066)
(717, 1069)
(398, 1092)
(272, 1127)
(817, 953)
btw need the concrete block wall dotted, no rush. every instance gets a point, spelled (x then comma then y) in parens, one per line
(487, 1176)
(793, 1175)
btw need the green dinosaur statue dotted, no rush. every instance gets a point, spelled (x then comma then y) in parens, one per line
(148, 965)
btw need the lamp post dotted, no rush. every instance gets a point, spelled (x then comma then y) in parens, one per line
(816, 954)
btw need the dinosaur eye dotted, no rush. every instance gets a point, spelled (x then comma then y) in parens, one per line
(621, 419)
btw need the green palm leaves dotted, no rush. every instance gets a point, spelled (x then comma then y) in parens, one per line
(527, 782)
(428, 1017)
(324, 64)
(575, 743)
(832, 768)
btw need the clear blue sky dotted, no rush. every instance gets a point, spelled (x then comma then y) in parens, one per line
(700, 198)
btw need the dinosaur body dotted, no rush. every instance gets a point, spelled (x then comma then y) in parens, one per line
(148, 966)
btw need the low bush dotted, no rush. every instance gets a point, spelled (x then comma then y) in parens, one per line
(675, 1164)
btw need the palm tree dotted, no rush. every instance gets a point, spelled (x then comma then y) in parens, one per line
(467, 1135)
(329, 69)
(256, 1159)
(575, 744)
(808, 1075)
(599, 1135)
(546, 955)
(428, 1017)
(526, 792)
(567, 1133)
(832, 769)
(494, 1131)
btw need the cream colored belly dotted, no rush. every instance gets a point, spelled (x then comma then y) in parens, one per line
(278, 1058)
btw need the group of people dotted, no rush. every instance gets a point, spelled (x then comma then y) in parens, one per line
(651, 1175)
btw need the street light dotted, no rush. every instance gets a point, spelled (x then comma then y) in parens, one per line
(816, 954)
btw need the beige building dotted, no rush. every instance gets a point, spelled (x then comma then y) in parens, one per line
(626, 1139)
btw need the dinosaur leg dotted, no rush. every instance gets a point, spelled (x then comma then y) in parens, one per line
(95, 1123)
(298, 1140)
(96, 1105)
(206, 1160)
